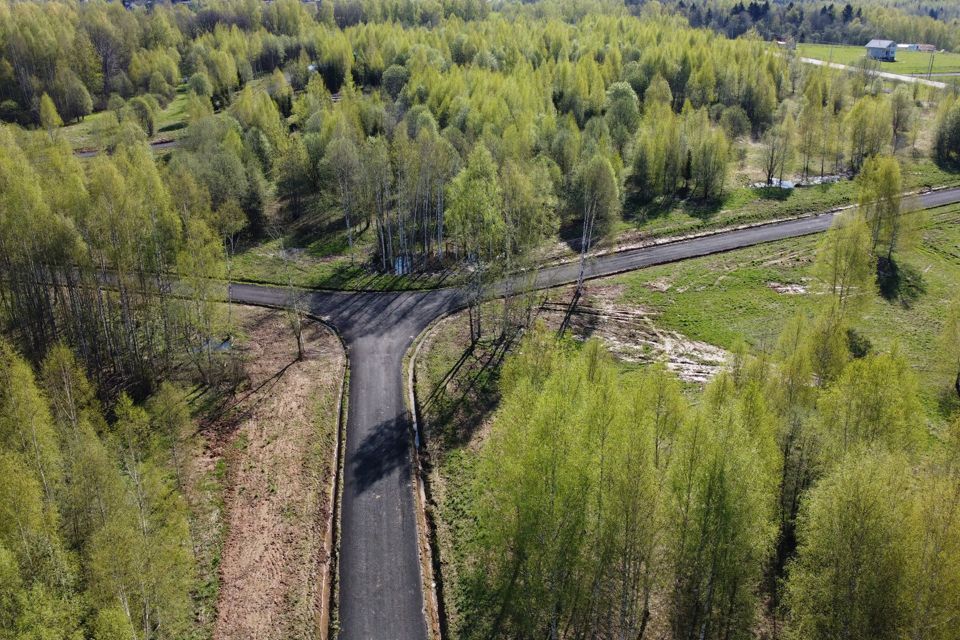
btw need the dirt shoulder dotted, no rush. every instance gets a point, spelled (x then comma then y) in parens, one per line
(271, 447)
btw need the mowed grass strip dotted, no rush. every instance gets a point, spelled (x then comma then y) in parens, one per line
(908, 62)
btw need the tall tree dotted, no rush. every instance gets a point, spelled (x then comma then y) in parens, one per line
(868, 123)
(902, 110)
(778, 147)
(849, 578)
(474, 219)
(343, 159)
(600, 202)
(49, 118)
(622, 113)
(880, 197)
(845, 266)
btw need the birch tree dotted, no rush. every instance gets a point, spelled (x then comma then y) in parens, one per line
(600, 203)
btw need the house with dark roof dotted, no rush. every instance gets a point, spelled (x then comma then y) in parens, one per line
(883, 50)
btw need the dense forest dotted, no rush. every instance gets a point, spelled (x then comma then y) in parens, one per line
(605, 503)
(375, 109)
(828, 22)
(802, 493)
(459, 131)
(94, 536)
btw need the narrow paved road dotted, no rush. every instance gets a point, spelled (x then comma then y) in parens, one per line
(380, 583)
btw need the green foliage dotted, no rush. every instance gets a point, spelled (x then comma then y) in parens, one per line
(846, 267)
(586, 470)
(675, 154)
(143, 110)
(49, 118)
(869, 123)
(872, 403)
(395, 78)
(473, 214)
(850, 578)
(200, 84)
(622, 112)
(135, 233)
(93, 539)
(946, 147)
(880, 198)
(600, 199)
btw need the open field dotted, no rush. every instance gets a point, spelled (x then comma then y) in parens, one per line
(748, 294)
(260, 475)
(907, 63)
(171, 123)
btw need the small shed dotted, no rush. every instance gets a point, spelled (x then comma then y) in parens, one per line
(883, 50)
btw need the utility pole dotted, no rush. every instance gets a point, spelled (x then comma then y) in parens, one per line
(930, 66)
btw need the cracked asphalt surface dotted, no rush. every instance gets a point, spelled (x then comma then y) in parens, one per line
(380, 582)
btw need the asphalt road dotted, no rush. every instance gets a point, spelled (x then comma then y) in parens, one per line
(380, 582)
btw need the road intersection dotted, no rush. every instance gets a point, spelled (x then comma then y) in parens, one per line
(381, 595)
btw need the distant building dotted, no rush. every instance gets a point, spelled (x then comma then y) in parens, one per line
(928, 48)
(883, 50)
(909, 47)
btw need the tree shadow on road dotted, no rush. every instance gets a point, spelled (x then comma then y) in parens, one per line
(463, 398)
(384, 450)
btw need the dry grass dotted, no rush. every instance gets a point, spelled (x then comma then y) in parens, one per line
(270, 448)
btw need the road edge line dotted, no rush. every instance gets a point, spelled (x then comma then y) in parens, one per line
(431, 575)
(330, 587)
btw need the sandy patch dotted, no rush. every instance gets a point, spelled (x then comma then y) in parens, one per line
(660, 285)
(631, 334)
(276, 436)
(787, 289)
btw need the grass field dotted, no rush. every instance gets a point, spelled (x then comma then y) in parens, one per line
(744, 205)
(908, 62)
(170, 124)
(724, 298)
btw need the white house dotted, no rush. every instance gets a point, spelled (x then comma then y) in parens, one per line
(883, 50)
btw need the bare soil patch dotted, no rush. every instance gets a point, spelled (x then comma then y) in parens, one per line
(630, 331)
(272, 445)
(788, 289)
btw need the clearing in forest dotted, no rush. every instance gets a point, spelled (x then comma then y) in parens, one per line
(274, 441)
